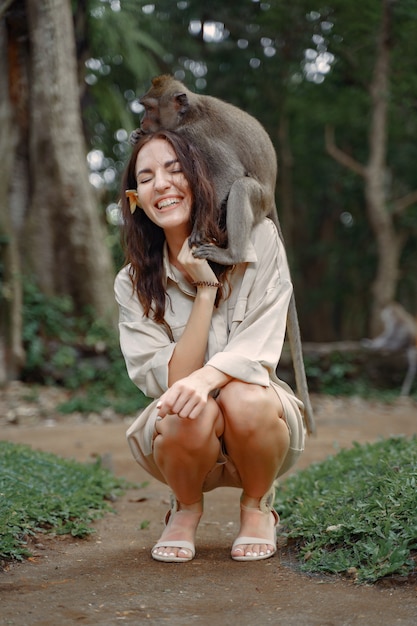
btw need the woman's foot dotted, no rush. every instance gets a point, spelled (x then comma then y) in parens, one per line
(176, 544)
(257, 534)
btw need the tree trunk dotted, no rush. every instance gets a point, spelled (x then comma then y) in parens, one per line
(11, 348)
(388, 244)
(65, 240)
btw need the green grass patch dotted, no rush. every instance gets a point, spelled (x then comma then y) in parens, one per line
(40, 492)
(355, 513)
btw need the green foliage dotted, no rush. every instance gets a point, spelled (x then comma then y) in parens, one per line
(78, 352)
(40, 492)
(333, 375)
(340, 373)
(355, 512)
(254, 54)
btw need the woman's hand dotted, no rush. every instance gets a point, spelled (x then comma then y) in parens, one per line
(186, 398)
(197, 269)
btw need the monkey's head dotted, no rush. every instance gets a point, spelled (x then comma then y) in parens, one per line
(166, 103)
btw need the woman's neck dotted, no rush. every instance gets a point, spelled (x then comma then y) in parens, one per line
(175, 241)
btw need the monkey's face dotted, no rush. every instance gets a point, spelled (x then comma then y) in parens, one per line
(151, 119)
(167, 111)
(164, 193)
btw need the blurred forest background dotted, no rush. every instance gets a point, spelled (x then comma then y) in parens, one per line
(334, 84)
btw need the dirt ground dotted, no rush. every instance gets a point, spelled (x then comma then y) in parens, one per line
(110, 578)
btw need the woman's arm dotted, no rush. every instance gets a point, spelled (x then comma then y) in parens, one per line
(190, 349)
(260, 315)
(153, 360)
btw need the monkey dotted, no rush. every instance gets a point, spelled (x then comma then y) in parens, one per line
(399, 333)
(243, 164)
(240, 156)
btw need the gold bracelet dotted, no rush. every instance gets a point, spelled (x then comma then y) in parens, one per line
(206, 283)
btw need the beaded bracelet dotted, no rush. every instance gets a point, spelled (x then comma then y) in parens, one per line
(206, 283)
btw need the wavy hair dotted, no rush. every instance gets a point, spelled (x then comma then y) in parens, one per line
(143, 240)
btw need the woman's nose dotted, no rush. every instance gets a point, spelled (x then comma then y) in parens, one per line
(162, 180)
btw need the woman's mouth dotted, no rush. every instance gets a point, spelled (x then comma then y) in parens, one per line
(168, 202)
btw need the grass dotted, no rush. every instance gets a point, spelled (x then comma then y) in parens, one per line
(355, 513)
(40, 492)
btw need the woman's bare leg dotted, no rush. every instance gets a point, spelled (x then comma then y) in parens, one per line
(185, 450)
(257, 440)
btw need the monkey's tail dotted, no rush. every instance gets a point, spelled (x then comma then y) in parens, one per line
(294, 339)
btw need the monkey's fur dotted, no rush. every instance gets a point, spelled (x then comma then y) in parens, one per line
(243, 165)
(240, 156)
(399, 333)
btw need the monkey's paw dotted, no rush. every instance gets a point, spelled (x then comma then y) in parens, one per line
(212, 253)
(195, 240)
(135, 135)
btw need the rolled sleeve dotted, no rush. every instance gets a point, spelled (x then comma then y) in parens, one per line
(145, 345)
(241, 367)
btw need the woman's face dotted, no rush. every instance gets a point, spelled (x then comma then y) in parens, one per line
(163, 191)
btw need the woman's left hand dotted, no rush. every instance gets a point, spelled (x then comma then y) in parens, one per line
(197, 269)
(186, 398)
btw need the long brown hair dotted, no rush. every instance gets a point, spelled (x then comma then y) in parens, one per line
(143, 240)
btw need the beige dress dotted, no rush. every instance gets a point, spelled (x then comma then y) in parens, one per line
(245, 342)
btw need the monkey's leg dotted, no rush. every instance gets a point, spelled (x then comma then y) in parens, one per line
(411, 371)
(245, 200)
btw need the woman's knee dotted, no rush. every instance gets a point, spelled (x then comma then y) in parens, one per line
(244, 404)
(189, 434)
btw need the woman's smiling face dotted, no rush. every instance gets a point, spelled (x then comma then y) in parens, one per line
(164, 193)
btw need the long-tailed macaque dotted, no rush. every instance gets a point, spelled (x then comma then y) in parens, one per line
(243, 164)
(399, 334)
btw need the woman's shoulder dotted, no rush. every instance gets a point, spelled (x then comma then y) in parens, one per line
(264, 234)
(122, 282)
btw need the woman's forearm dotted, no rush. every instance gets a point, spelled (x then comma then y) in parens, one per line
(190, 350)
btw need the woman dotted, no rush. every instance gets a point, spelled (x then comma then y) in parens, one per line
(204, 342)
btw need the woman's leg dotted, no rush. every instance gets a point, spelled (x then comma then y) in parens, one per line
(185, 450)
(257, 440)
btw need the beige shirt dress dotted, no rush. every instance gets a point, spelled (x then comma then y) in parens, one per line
(245, 341)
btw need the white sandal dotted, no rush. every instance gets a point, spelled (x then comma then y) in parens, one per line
(265, 506)
(169, 557)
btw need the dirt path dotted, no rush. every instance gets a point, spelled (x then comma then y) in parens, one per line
(111, 578)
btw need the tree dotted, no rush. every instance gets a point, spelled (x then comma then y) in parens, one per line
(49, 216)
(381, 208)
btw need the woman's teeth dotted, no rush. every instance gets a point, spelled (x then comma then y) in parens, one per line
(165, 203)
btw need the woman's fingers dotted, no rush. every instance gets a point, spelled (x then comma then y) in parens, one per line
(185, 404)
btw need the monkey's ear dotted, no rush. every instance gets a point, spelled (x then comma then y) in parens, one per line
(181, 103)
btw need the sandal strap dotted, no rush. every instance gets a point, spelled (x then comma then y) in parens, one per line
(266, 503)
(187, 545)
(175, 508)
(242, 541)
